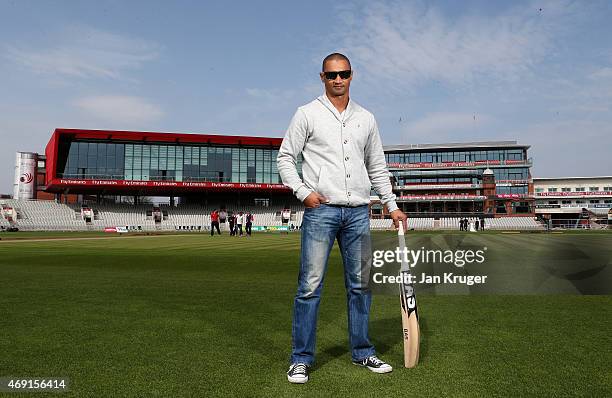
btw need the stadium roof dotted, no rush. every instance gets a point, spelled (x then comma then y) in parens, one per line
(570, 178)
(456, 145)
(170, 138)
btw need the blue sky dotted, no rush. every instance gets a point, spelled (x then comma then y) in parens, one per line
(537, 72)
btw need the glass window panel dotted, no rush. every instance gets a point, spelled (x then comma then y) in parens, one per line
(101, 161)
(120, 155)
(92, 158)
(203, 156)
(137, 162)
(154, 162)
(195, 156)
(129, 161)
(82, 151)
(73, 153)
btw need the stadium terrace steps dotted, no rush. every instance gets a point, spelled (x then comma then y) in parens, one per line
(51, 216)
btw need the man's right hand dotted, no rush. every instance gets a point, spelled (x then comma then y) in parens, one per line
(314, 200)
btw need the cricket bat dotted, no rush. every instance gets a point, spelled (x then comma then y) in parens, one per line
(410, 316)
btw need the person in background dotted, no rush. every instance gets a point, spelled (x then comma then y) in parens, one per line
(482, 224)
(232, 224)
(239, 222)
(248, 217)
(214, 222)
(476, 225)
(222, 217)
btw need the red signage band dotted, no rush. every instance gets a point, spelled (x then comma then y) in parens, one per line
(453, 197)
(425, 165)
(585, 193)
(68, 182)
(514, 196)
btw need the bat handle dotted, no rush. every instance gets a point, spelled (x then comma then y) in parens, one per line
(400, 230)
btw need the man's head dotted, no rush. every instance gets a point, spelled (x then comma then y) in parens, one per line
(336, 74)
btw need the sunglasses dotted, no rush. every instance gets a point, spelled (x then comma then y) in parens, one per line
(344, 74)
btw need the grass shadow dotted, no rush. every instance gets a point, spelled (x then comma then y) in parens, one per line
(328, 354)
(387, 333)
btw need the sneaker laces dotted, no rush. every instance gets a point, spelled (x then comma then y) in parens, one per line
(299, 368)
(374, 359)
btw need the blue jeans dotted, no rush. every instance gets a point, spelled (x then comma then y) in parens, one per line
(320, 227)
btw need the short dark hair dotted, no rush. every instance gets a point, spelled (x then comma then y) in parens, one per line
(335, 56)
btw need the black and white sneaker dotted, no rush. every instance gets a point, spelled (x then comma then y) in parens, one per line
(374, 364)
(298, 373)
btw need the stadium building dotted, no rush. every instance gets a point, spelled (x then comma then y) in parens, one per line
(574, 202)
(463, 179)
(208, 168)
(90, 172)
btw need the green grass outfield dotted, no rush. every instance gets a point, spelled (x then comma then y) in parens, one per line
(191, 315)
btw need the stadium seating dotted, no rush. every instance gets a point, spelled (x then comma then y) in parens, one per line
(513, 223)
(45, 215)
(4, 223)
(51, 216)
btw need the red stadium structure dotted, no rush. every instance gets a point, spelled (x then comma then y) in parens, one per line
(127, 163)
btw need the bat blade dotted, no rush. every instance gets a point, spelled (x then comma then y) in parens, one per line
(410, 325)
(410, 315)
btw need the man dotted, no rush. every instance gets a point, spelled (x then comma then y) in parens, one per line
(342, 158)
(248, 217)
(232, 222)
(482, 224)
(239, 222)
(222, 217)
(214, 222)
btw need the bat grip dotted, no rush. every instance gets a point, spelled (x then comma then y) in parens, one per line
(400, 230)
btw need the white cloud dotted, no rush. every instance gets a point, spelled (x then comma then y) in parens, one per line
(409, 44)
(602, 73)
(120, 109)
(86, 53)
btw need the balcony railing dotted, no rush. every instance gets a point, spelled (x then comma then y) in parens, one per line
(574, 205)
(437, 185)
(156, 178)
